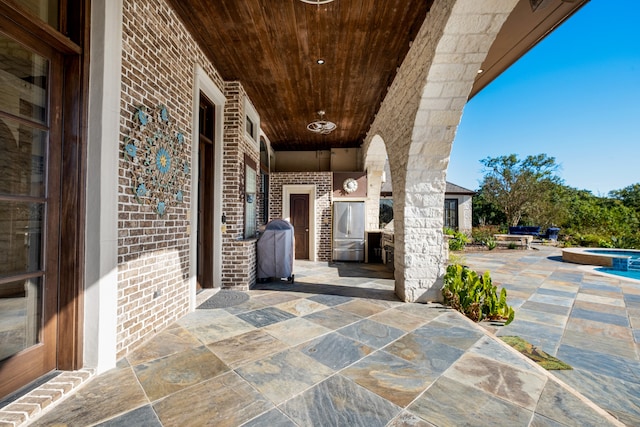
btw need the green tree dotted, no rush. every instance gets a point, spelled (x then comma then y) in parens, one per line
(486, 213)
(630, 196)
(601, 221)
(515, 185)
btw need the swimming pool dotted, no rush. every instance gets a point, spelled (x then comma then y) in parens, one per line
(619, 262)
(629, 274)
(616, 259)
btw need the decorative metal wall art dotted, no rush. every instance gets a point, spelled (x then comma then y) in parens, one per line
(158, 154)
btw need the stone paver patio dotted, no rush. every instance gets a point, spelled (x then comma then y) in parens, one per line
(588, 320)
(338, 348)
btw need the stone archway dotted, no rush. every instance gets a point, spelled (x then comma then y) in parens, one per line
(419, 118)
(375, 158)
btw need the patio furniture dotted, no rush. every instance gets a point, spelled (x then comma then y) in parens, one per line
(522, 241)
(524, 230)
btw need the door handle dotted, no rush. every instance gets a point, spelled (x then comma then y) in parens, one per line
(306, 229)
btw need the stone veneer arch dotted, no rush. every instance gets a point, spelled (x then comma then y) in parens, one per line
(375, 158)
(418, 119)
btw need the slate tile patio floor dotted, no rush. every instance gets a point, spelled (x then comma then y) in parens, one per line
(338, 348)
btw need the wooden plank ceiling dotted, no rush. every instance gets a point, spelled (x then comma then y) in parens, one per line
(272, 48)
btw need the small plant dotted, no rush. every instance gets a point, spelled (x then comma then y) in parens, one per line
(495, 307)
(475, 296)
(462, 291)
(512, 245)
(458, 241)
(457, 258)
(491, 244)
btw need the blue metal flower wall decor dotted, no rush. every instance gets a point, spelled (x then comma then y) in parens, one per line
(158, 156)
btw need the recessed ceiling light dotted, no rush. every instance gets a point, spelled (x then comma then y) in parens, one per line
(480, 71)
(320, 61)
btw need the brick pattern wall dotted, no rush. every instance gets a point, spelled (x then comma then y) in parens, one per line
(158, 59)
(324, 186)
(238, 254)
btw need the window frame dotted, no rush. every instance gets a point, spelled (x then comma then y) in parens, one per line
(249, 195)
(448, 209)
(251, 116)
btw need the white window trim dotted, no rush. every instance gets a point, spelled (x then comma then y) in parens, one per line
(252, 114)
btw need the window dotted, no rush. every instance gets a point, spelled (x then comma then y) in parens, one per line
(451, 213)
(250, 211)
(265, 197)
(386, 211)
(47, 10)
(251, 123)
(264, 181)
(250, 126)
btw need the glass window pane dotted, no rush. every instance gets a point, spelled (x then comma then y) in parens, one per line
(47, 10)
(20, 309)
(20, 237)
(451, 213)
(22, 159)
(250, 127)
(250, 217)
(24, 78)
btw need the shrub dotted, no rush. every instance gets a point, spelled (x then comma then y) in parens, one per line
(482, 235)
(459, 240)
(475, 296)
(491, 244)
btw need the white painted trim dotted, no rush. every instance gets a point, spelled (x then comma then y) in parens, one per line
(250, 111)
(264, 137)
(310, 189)
(203, 83)
(101, 239)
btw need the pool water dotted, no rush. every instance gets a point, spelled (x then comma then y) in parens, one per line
(629, 274)
(631, 254)
(624, 261)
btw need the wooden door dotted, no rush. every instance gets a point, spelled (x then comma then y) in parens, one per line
(205, 194)
(30, 159)
(299, 209)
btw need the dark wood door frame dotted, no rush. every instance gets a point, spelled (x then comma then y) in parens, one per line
(70, 111)
(73, 201)
(206, 197)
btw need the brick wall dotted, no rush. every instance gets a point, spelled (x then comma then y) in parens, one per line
(158, 60)
(323, 183)
(238, 254)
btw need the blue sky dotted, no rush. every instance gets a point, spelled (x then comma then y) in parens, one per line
(575, 97)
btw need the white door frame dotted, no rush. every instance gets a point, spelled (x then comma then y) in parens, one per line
(203, 83)
(310, 189)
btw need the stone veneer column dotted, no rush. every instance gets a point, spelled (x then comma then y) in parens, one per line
(418, 121)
